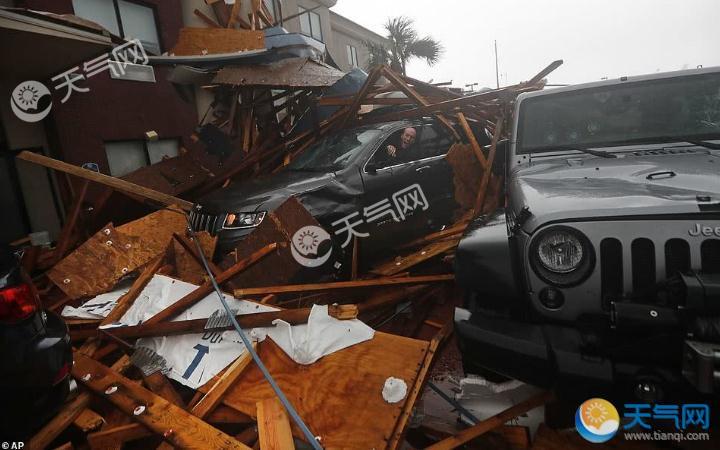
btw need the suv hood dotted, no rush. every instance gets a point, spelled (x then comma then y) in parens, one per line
(264, 193)
(633, 184)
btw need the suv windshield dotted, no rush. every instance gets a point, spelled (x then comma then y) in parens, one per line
(666, 110)
(334, 152)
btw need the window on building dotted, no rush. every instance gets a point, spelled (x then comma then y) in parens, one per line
(270, 4)
(129, 20)
(127, 156)
(310, 24)
(352, 55)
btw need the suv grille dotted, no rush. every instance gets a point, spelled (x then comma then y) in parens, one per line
(204, 222)
(644, 268)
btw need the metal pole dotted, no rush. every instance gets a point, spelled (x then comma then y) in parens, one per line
(497, 73)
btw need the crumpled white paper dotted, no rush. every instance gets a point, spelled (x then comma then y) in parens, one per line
(321, 336)
(97, 307)
(193, 359)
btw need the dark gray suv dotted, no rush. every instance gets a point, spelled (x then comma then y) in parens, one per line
(605, 263)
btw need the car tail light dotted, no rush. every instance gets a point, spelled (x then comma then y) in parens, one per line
(17, 303)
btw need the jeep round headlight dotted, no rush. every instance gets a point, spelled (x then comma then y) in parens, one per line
(560, 251)
(562, 256)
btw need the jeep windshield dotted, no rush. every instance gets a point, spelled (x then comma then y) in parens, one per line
(681, 109)
(336, 151)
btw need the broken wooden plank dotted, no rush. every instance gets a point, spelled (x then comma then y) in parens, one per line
(206, 288)
(175, 425)
(493, 422)
(115, 183)
(69, 412)
(99, 263)
(214, 396)
(88, 420)
(273, 426)
(473, 142)
(126, 300)
(482, 191)
(213, 41)
(69, 228)
(239, 293)
(257, 320)
(401, 264)
(339, 396)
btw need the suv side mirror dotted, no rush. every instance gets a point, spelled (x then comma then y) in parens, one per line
(371, 168)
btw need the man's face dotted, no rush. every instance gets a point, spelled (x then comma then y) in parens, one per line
(407, 138)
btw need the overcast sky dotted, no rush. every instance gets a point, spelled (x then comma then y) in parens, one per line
(595, 38)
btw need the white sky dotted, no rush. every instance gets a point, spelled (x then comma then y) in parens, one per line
(595, 38)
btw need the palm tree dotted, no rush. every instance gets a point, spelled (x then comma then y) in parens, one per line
(404, 46)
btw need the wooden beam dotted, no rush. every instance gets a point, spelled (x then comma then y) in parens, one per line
(175, 425)
(208, 21)
(482, 191)
(63, 242)
(395, 266)
(420, 100)
(206, 288)
(117, 435)
(69, 412)
(214, 396)
(273, 426)
(545, 72)
(473, 142)
(239, 293)
(115, 183)
(493, 422)
(126, 300)
(256, 320)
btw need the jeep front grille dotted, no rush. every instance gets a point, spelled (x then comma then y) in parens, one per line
(204, 222)
(644, 270)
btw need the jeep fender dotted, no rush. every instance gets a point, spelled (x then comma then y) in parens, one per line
(485, 260)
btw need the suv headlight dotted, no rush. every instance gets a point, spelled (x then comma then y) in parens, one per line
(562, 256)
(234, 221)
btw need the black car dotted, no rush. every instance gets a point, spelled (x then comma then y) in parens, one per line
(348, 182)
(35, 354)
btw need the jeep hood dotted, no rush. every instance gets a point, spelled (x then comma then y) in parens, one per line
(264, 193)
(569, 188)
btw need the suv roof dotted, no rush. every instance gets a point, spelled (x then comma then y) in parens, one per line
(621, 80)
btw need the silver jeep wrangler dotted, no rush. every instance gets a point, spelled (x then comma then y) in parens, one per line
(604, 265)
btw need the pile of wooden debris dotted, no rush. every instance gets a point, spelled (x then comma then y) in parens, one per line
(127, 392)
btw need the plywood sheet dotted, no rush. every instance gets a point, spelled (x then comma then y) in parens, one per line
(156, 229)
(467, 173)
(211, 41)
(288, 73)
(97, 265)
(340, 396)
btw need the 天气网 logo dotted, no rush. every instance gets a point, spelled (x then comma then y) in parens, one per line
(306, 243)
(597, 420)
(31, 101)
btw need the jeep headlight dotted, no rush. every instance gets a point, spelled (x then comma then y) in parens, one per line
(243, 220)
(562, 256)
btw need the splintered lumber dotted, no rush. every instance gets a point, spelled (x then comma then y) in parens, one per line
(177, 427)
(339, 396)
(482, 191)
(63, 242)
(493, 422)
(258, 320)
(99, 263)
(213, 41)
(206, 288)
(88, 420)
(239, 293)
(418, 386)
(69, 412)
(115, 183)
(273, 426)
(473, 142)
(126, 300)
(214, 396)
(401, 264)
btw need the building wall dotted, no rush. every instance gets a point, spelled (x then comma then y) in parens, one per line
(346, 32)
(118, 109)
